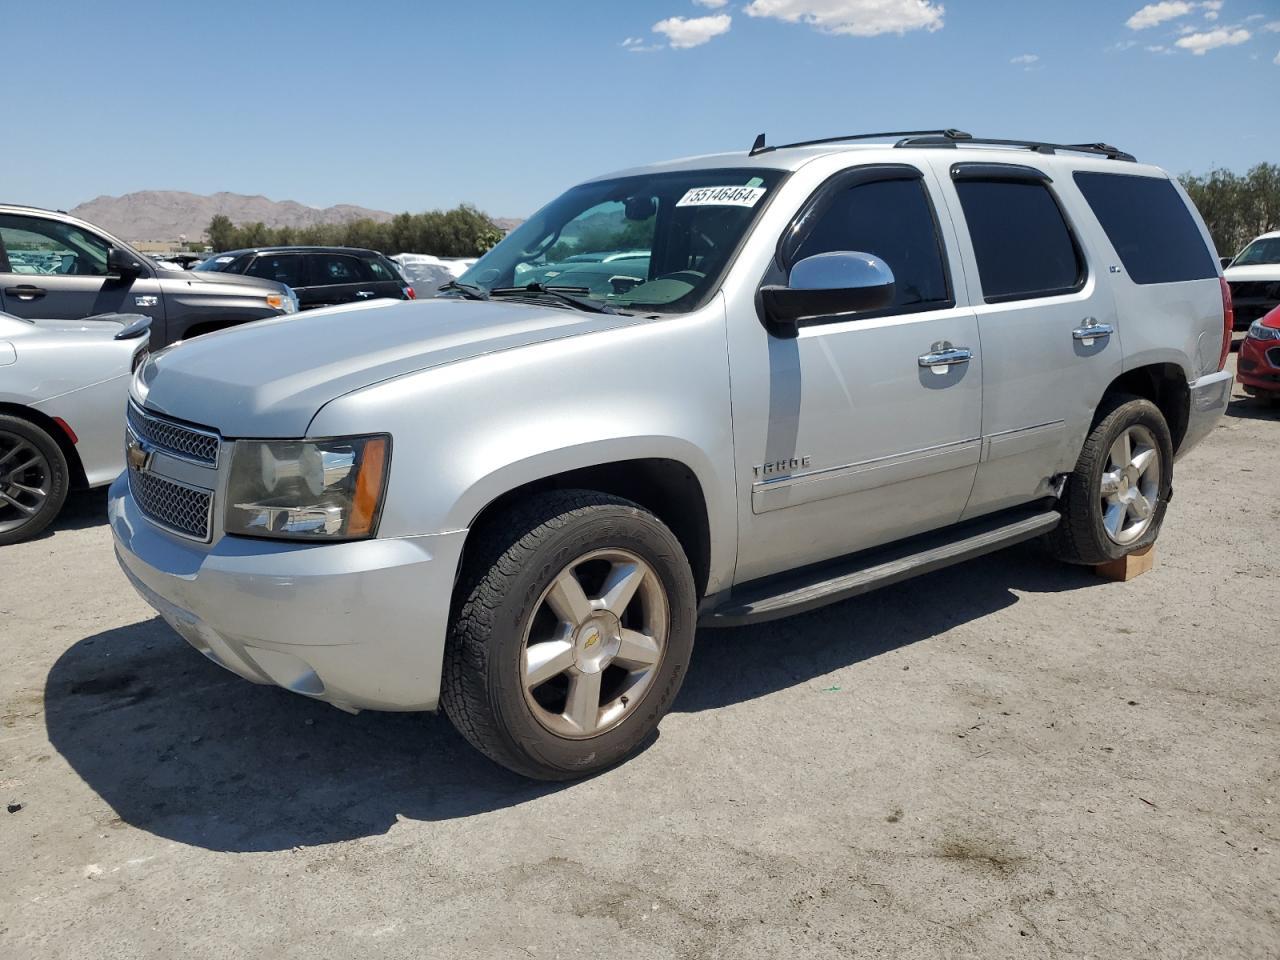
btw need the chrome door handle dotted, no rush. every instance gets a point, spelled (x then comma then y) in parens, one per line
(364, 293)
(26, 292)
(1092, 330)
(945, 355)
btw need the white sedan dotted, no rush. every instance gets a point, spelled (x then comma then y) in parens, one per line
(64, 385)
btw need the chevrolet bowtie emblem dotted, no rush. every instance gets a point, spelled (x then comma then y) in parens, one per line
(137, 455)
(592, 640)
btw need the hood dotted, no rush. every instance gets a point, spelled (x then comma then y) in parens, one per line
(268, 379)
(195, 278)
(1253, 272)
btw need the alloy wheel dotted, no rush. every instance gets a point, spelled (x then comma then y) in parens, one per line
(25, 481)
(594, 643)
(1130, 487)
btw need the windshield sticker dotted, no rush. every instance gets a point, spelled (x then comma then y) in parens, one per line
(722, 197)
(224, 260)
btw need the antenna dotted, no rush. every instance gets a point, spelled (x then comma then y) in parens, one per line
(758, 146)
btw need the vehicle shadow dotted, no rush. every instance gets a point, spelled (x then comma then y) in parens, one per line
(182, 749)
(1253, 408)
(83, 509)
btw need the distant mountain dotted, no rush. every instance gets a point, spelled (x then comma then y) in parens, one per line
(169, 214)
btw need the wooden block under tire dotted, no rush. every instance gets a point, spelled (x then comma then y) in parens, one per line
(1126, 568)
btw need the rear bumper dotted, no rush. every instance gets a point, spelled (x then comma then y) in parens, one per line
(1209, 398)
(359, 625)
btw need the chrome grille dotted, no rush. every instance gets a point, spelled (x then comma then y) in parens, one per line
(183, 509)
(175, 438)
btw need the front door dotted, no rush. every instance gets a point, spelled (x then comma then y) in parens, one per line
(845, 438)
(54, 270)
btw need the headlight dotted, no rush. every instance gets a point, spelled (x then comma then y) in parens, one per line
(286, 303)
(1258, 332)
(307, 489)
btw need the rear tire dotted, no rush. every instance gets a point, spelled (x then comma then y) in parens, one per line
(1115, 500)
(34, 479)
(572, 628)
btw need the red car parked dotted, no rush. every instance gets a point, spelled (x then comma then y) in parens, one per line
(1259, 366)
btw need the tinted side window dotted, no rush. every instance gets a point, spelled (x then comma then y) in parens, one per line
(382, 270)
(1023, 244)
(284, 268)
(51, 248)
(330, 268)
(1150, 226)
(892, 219)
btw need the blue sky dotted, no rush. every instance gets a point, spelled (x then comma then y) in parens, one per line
(503, 103)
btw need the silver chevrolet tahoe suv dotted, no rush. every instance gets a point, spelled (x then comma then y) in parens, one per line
(707, 392)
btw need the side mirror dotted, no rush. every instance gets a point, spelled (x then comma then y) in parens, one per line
(123, 263)
(826, 285)
(1225, 261)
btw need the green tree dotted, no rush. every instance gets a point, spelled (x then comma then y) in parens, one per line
(461, 232)
(221, 233)
(1236, 208)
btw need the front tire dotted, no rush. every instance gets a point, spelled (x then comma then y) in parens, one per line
(33, 479)
(1115, 499)
(571, 633)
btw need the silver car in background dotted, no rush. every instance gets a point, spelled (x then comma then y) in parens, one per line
(63, 385)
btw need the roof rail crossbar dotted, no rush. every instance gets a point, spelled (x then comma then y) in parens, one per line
(949, 134)
(1037, 146)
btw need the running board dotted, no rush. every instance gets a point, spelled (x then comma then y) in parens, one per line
(871, 569)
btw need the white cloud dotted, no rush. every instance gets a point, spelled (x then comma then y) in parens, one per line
(1157, 48)
(684, 33)
(1276, 61)
(1154, 14)
(855, 18)
(1211, 8)
(713, 4)
(639, 45)
(1202, 43)
(1272, 27)
(1025, 59)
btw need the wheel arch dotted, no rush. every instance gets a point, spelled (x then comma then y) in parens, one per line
(667, 487)
(1165, 385)
(46, 423)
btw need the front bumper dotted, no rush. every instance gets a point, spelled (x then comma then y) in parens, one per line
(1209, 398)
(1259, 365)
(360, 625)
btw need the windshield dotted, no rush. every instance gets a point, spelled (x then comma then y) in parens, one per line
(656, 243)
(215, 264)
(1260, 251)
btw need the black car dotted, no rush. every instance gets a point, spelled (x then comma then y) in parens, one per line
(320, 276)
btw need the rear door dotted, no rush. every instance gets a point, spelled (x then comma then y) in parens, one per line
(50, 269)
(1046, 320)
(387, 281)
(336, 278)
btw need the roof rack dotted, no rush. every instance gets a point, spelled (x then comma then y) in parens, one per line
(950, 135)
(952, 138)
(1037, 146)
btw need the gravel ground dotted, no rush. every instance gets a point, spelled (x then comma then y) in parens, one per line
(1007, 759)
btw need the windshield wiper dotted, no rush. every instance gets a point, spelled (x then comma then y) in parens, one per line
(469, 291)
(570, 295)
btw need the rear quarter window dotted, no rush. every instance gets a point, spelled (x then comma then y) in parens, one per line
(1147, 221)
